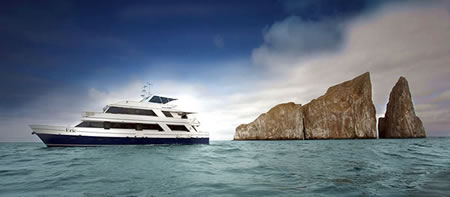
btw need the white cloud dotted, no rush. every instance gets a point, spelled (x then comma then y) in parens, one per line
(443, 97)
(395, 41)
(295, 38)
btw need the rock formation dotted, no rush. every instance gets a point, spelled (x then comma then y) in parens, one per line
(284, 121)
(345, 111)
(400, 120)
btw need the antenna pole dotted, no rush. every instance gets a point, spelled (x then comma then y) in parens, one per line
(149, 84)
(145, 92)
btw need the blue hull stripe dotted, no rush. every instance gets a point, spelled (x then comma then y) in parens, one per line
(68, 140)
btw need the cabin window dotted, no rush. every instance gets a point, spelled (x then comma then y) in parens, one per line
(152, 127)
(155, 99)
(121, 110)
(164, 99)
(160, 99)
(107, 125)
(117, 125)
(90, 124)
(167, 114)
(184, 116)
(177, 127)
(139, 127)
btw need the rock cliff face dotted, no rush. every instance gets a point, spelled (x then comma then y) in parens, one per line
(284, 121)
(345, 111)
(400, 120)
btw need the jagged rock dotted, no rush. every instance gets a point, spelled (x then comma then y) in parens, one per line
(400, 120)
(345, 111)
(282, 122)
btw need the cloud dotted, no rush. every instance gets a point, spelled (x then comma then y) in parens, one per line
(443, 97)
(296, 38)
(315, 26)
(407, 40)
(410, 41)
(322, 9)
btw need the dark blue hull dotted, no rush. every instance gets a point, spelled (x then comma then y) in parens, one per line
(68, 140)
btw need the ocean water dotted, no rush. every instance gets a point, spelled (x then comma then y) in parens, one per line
(396, 167)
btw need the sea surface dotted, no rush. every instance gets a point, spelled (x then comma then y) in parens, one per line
(394, 167)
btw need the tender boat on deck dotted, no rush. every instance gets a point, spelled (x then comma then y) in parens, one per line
(150, 121)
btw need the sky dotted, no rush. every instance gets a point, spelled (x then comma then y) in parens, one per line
(228, 60)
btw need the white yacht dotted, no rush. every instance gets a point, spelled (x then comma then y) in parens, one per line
(151, 121)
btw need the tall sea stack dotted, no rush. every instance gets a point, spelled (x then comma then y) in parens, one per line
(346, 111)
(400, 120)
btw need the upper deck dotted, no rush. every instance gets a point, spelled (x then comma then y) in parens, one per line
(150, 102)
(154, 108)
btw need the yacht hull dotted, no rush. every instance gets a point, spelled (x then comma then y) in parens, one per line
(54, 140)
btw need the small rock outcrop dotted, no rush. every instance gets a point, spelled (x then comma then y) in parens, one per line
(282, 122)
(400, 120)
(345, 111)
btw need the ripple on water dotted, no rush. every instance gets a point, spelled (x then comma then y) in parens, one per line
(268, 168)
(15, 172)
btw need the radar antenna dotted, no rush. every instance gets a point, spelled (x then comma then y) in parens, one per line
(145, 92)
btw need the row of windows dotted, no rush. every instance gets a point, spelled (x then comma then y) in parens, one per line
(145, 112)
(120, 110)
(115, 125)
(139, 127)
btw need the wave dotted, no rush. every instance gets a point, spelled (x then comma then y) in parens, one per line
(275, 168)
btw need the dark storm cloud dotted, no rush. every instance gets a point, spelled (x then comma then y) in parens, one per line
(19, 89)
(49, 46)
(162, 9)
(45, 49)
(316, 26)
(317, 10)
(170, 10)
